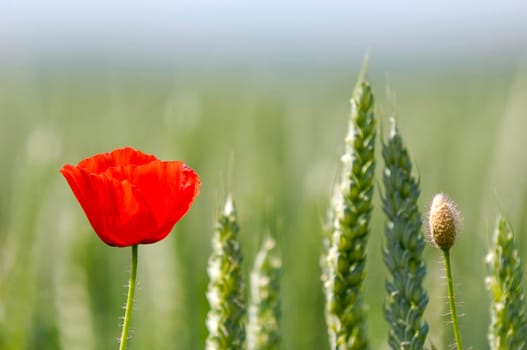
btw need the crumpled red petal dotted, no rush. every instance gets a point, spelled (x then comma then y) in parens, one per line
(131, 198)
(120, 157)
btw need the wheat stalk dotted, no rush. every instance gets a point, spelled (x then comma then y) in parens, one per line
(263, 331)
(406, 298)
(226, 317)
(508, 327)
(346, 257)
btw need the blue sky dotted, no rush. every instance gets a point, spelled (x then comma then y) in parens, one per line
(230, 29)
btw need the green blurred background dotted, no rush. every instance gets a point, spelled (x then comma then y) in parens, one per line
(255, 99)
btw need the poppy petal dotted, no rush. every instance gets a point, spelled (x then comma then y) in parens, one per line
(120, 157)
(129, 156)
(81, 185)
(130, 197)
(169, 192)
(126, 218)
(111, 206)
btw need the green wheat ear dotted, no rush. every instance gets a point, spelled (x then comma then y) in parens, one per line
(406, 298)
(343, 274)
(263, 331)
(508, 327)
(226, 317)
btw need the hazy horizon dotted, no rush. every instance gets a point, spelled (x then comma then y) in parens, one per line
(231, 31)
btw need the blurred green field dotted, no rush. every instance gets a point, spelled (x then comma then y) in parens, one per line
(271, 137)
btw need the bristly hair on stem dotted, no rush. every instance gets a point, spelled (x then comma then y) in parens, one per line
(130, 299)
(406, 298)
(343, 274)
(508, 327)
(263, 329)
(226, 317)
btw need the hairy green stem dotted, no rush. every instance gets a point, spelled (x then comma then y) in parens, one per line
(451, 299)
(129, 299)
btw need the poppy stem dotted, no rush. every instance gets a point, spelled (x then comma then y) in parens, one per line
(451, 299)
(129, 299)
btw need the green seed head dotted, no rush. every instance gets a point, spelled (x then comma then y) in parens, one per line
(444, 221)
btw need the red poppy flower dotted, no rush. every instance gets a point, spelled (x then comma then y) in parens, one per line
(130, 197)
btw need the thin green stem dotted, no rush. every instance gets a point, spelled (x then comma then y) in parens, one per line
(451, 299)
(129, 299)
